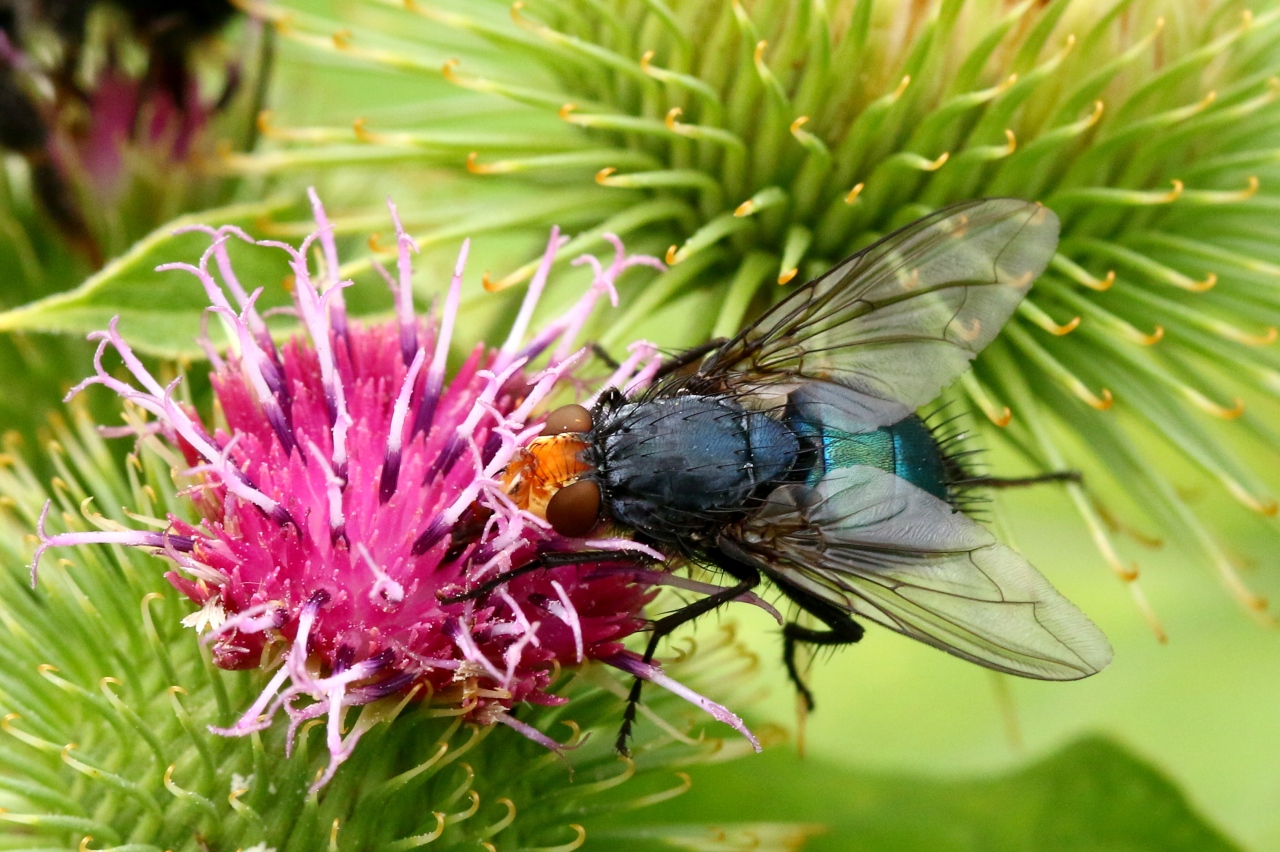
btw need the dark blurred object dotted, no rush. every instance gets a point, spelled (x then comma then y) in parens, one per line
(66, 125)
(171, 29)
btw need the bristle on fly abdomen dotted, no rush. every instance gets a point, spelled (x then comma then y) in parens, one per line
(964, 473)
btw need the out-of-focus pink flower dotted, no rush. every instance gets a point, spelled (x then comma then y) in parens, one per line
(330, 509)
(103, 126)
(122, 113)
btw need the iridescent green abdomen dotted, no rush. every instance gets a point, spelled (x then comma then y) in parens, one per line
(906, 449)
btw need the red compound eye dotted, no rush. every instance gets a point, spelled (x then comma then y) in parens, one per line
(574, 510)
(567, 418)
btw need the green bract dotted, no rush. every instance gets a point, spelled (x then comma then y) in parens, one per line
(97, 152)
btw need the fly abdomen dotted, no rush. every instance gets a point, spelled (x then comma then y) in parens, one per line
(906, 449)
(918, 458)
(681, 466)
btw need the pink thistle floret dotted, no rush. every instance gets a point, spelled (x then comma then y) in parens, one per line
(354, 488)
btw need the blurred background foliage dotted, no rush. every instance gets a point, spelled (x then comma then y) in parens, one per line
(1169, 183)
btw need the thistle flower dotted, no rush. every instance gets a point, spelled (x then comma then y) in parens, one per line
(353, 488)
(105, 699)
(761, 142)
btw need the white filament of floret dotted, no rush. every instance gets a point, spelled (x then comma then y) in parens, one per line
(254, 362)
(385, 592)
(404, 289)
(435, 375)
(251, 317)
(257, 717)
(604, 281)
(209, 615)
(630, 375)
(400, 411)
(463, 434)
(329, 283)
(333, 488)
(159, 401)
(518, 614)
(251, 619)
(461, 636)
(512, 655)
(530, 732)
(566, 613)
(520, 327)
(313, 311)
(197, 570)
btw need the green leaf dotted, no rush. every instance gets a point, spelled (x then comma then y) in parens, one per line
(1092, 795)
(159, 312)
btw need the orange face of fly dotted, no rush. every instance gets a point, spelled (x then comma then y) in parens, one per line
(546, 478)
(544, 467)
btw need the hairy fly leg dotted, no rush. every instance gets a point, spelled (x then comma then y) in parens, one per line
(748, 578)
(543, 561)
(603, 355)
(841, 630)
(678, 361)
(682, 359)
(1021, 481)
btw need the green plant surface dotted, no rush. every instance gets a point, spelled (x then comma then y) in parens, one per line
(1091, 795)
(162, 310)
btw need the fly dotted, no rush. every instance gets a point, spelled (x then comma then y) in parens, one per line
(793, 453)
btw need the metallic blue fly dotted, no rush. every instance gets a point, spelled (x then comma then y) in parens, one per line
(793, 453)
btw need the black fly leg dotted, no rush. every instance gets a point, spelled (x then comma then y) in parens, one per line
(677, 361)
(603, 354)
(1018, 482)
(680, 360)
(842, 630)
(748, 579)
(544, 561)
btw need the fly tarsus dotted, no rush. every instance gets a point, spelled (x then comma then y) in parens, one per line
(603, 355)
(748, 579)
(843, 631)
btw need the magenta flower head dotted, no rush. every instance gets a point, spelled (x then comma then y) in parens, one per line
(354, 487)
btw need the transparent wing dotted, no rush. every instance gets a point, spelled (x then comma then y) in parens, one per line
(877, 547)
(900, 320)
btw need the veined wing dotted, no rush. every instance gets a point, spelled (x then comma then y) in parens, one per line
(900, 320)
(877, 547)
